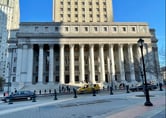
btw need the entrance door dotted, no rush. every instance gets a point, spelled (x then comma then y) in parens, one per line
(86, 78)
(67, 79)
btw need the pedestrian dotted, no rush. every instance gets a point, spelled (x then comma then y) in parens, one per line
(15, 91)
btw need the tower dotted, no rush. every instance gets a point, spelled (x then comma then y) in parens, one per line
(9, 20)
(82, 11)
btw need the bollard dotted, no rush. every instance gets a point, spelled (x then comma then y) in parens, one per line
(49, 91)
(94, 91)
(55, 94)
(127, 89)
(111, 93)
(34, 96)
(10, 100)
(160, 85)
(75, 93)
(39, 92)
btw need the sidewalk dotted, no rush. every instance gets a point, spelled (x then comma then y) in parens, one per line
(133, 109)
(158, 110)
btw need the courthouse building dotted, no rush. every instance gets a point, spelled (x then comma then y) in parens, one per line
(82, 45)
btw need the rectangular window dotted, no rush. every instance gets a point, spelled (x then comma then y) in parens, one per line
(86, 28)
(76, 68)
(14, 69)
(105, 28)
(68, 9)
(76, 28)
(76, 9)
(124, 29)
(14, 79)
(95, 28)
(57, 68)
(66, 28)
(90, 3)
(66, 68)
(114, 28)
(133, 29)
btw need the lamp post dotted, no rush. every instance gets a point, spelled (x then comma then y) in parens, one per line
(110, 78)
(8, 65)
(147, 103)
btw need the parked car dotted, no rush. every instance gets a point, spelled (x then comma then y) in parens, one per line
(141, 87)
(88, 88)
(19, 95)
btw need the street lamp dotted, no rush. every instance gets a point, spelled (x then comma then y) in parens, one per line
(111, 87)
(8, 83)
(147, 103)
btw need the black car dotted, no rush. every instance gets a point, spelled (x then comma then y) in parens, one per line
(141, 87)
(19, 95)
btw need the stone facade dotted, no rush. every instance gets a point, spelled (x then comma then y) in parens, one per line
(49, 54)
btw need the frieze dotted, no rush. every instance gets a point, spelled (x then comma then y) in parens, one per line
(75, 30)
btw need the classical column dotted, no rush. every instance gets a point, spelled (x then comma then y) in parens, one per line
(131, 63)
(24, 63)
(82, 66)
(19, 61)
(51, 63)
(92, 64)
(62, 64)
(157, 65)
(112, 62)
(30, 63)
(41, 56)
(72, 80)
(9, 63)
(121, 63)
(101, 54)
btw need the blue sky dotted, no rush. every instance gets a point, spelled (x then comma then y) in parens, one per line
(150, 11)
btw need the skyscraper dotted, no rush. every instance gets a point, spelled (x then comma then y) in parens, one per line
(9, 20)
(82, 11)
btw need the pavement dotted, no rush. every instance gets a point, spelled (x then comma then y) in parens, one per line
(103, 105)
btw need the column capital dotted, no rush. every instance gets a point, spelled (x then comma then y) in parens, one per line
(91, 45)
(41, 45)
(51, 45)
(81, 45)
(71, 45)
(101, 45)
(130, 45)
(111, 45)
(30, 45)
(120, 45)
(62, 45)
